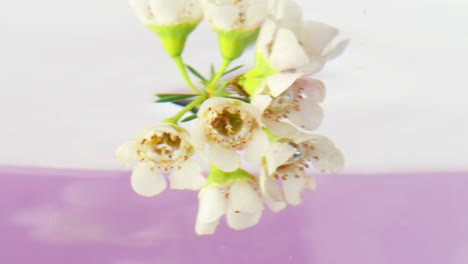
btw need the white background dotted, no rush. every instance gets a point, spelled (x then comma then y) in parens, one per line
(77, 79)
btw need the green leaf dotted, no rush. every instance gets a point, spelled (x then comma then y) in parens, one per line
(212, 71)
(189, 118)
(173, 97)
(233, 69)
(196, 73)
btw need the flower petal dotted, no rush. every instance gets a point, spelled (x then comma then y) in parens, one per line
(266, 35)
(188, 177)
(147, 180)
(225, 159)
(198, 134)
(276, 206)
(258, 146)
(206, 228)
(261, 102)
(287, 53)
(315, 36)
(222, 16)
(333, 51)
(212, 204)
(127, 152)
(278, 83)
(243, 198)
(285, 10)
(309, 116)
(279, 153)
(314, 89)
(281, 128)
(240, 221)
(293, 188)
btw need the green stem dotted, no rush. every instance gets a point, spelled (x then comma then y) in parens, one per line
(183, 70)
(175, 118)
(218, 75)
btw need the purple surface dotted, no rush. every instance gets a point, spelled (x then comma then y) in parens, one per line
(65, 216)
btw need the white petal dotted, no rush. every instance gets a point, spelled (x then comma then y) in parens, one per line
(175, 11)
(276, 206)
(280, 128)
(198, 134)
(285, 10)
(142, 11)
(255, 13)
(146, 180)
(278, 83)
(279, 153)
(314, 65)
(287, 53)
(221, 16)
(314, 89)
(309, 116)
(315, 36)
(293, 188)
(334, 51)
(127, 152)
(206, 228)
(243, 198)
(271, 189)
(266, 35)
(188, 177)
(212, 204)
(261, 102)
(225, 159)
(258, 146)
(240, 221)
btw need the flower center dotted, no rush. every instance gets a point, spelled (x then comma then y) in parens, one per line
(164, 149)
(228, 124)
(231, 128)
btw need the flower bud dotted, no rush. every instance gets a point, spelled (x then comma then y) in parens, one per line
(236, 22)
(172, 20)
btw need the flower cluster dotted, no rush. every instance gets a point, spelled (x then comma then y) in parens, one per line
(265, 114)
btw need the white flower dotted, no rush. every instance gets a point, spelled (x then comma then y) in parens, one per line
(235, 14)
(287, 162)
(296, 107)
(166, 13)
(298, 46)
(284, 10)
(161, 148)
(239, 200)
(228, 126)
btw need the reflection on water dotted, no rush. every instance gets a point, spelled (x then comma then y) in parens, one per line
(366, 219)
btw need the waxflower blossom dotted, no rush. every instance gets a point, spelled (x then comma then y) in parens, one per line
(235, 14)
(240, 200)
(172, 20)
(294, 109)
(303, 46)
(235, 22)
(166, 13)
(161, 148)
(263, 115)
(287, 162)
(284, 10)
(228, 126)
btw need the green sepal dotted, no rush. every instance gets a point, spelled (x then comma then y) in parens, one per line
(173, 37)
(173, 97)
(233, 42)
(253, 80)
(219, 176)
